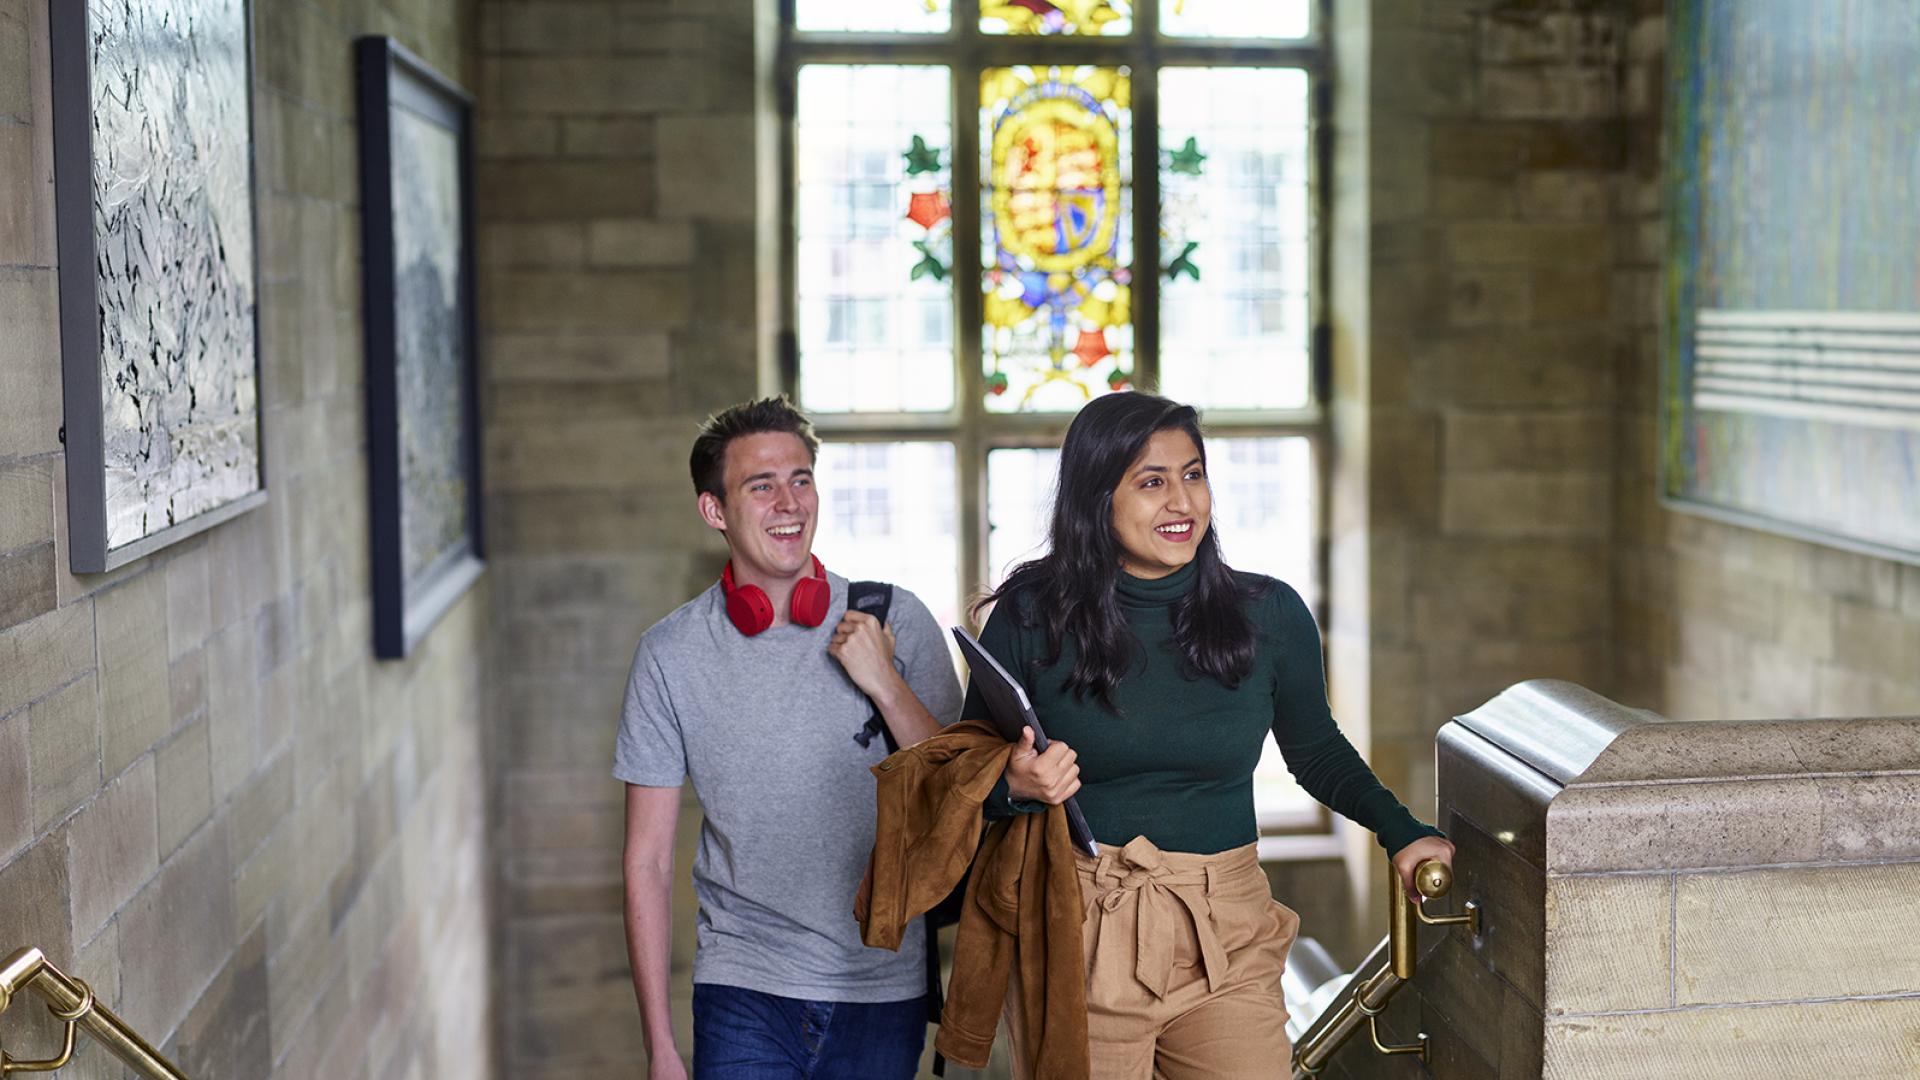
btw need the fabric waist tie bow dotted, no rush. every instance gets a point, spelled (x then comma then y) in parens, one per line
(1162, 898)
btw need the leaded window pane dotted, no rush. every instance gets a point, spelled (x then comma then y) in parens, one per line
(1236, 237)
(869, 16)
(1263, 506)
(874, 244)
(1236, 18)
(887, 514)
(1019, 503)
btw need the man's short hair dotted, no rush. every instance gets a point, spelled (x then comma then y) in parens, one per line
(769, 415)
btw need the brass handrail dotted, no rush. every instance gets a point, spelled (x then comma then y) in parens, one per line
(71, 1001)
(1368, 997)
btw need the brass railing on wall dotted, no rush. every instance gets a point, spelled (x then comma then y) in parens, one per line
(71, 1002)
(1367, 997)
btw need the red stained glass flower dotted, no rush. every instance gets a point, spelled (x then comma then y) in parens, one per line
(1092, 347)
(929, 208)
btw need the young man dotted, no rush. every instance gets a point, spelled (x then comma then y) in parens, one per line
(756, 690)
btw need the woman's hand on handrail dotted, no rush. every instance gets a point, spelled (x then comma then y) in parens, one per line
(1409, 858)
(1050, 778)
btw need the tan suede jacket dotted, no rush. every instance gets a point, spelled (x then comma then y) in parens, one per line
(1022, 915)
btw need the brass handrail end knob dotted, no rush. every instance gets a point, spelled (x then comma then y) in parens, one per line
(1433, 879)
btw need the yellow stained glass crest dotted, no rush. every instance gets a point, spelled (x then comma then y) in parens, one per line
(1057, 254)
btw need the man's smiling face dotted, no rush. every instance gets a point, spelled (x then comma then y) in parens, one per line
(770, 508)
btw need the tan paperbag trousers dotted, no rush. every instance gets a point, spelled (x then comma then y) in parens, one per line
(1184, 954)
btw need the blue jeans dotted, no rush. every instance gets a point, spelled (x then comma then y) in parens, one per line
(747, 1035)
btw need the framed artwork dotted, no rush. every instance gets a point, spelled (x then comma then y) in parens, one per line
(416, 187)
(1790, 398)
(153, 178)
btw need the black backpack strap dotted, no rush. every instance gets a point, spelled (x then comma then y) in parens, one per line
(876, 599)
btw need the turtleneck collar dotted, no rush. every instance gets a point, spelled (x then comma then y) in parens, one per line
(1157, 592)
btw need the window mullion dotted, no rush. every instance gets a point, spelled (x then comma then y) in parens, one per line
(1146, 224)
(971, 387)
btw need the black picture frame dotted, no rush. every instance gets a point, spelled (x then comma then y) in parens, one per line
(394, 85)
(94, 514)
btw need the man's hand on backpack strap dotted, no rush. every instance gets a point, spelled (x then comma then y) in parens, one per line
(864, 648)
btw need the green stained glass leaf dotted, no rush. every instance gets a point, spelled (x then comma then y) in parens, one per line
(929, 264)
(1183, 263)
(921, 158)
(1187, 160)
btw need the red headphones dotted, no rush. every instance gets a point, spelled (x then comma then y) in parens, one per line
(752, 611)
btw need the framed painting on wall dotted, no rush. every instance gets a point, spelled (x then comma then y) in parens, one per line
(1790, 397)
(153, 179)
(423, 441)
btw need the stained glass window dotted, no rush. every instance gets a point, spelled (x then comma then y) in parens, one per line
(887, 514)
(1235, 245)
(1236, 18)
(873, 16)
(1081, 18)
(1057, 245)
(874, 246)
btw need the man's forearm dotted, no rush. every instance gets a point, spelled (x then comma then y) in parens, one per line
(900, 707)
(649, 903)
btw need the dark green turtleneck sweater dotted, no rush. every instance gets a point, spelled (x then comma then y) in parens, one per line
(1175, 765)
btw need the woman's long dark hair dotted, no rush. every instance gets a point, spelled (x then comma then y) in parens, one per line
(1072, 585)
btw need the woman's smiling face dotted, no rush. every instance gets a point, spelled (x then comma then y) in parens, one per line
(1163, 506)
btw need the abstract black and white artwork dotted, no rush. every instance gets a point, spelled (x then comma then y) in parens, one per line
(422, 429)
(154, 183)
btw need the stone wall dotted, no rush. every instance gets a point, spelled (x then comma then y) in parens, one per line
(259, 846)
(621, 217)
(1476, 317)
(1508, 357)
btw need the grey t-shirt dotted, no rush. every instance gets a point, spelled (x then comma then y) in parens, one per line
(765, 727)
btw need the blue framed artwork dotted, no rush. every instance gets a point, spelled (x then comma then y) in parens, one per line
(153, 175)
(422, 422)
(1791, 385)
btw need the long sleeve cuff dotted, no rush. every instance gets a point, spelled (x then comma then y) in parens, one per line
(1000, 803)
(1395, 826)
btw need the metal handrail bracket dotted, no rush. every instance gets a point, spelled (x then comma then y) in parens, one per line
(1369, 996)
(72, 1003)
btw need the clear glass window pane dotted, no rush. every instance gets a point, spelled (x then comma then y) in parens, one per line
(1019, 505)
(1070, 18)
(1057, 245)
(1263, 506)
(887, 513)
(891, 16)
(874, 244)
(1236, 230)
(1236, 18)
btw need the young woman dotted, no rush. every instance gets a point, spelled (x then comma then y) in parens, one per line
(1159, 673)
